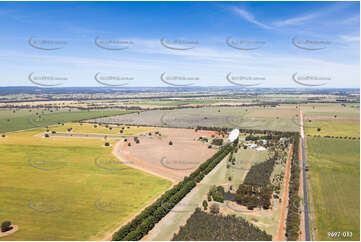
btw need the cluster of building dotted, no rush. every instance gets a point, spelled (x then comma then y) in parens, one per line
(257, 147)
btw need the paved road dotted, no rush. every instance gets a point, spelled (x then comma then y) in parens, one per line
(305, 199)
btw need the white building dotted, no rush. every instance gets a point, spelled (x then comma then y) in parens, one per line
(233, 135)
(261, 148)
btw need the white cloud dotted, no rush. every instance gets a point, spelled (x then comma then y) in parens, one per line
(250, 18)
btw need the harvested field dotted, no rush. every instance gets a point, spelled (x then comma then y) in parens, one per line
(271, 118)
(154, 153)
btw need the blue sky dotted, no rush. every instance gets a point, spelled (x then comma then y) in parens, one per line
(331, 29)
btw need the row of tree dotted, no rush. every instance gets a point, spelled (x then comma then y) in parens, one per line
(151, 215)
(293, 215)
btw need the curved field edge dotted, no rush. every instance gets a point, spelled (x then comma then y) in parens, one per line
(335, 180)
(73, 200)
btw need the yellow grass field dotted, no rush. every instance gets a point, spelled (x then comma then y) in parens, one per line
(68, 188)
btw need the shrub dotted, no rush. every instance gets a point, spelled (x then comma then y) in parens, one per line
(217, 141)
(6, 226)
(170, 143)
(129, 144)
(205, 204)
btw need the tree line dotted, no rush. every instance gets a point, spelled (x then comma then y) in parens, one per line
(293, 215)
(151, 215)
(202, 226)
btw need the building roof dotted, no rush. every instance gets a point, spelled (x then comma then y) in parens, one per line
(233, 135)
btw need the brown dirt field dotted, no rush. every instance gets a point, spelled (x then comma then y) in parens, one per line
(154, 154)
(281, 229)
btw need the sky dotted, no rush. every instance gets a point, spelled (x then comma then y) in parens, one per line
(262, 44)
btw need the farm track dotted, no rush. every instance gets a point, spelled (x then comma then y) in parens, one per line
(301, 236)
(166, 223)
(305, 197)
(281, 232)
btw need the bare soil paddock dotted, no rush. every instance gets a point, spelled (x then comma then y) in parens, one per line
(155, 155)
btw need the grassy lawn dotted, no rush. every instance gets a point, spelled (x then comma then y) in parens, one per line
(55, 189)
(350, 129)
(90, 129)
(335, 181)
(24, 119)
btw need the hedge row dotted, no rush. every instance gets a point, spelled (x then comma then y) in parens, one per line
(293, 215)
(151, 215)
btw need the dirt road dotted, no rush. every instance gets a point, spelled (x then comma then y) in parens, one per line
(281, 230)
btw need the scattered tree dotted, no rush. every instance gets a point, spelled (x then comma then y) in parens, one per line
(6, 226)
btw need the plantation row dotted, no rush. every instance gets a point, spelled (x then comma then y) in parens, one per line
(151, 215)
(202, 226)
(271, 134)
(293, 215)
(335, 137)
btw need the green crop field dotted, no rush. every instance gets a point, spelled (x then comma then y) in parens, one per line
(97, 129)
(335, 185)
(24, 119)
(68, 189)
(349, 129)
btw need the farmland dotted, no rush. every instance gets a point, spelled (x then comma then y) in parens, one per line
(336, 129)
(61, 192)
(120, 160)
(335, 180)
(11, 120)
(277, 118)
(86, 128)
